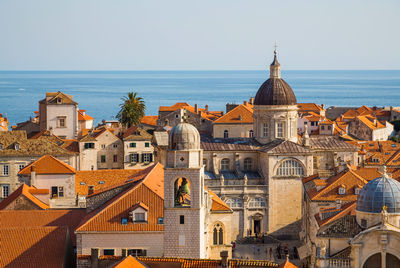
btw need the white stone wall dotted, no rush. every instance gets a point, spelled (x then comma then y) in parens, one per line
(46, 181)
(234, 130)
(108, 140)
(88, 157)
(139, 149)
(70, 111)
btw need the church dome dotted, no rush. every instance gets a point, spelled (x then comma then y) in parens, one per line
(275, 91)
(379, 192)
(184, 136)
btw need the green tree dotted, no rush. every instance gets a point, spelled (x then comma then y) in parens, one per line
(132, 110)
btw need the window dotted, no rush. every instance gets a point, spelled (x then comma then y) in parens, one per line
(103, 146)
(248, 164)
(91, 189)
(21, 167)
(124, 221)
(257, 202)
(251, 134)
(61, 121)
(290, 168)
(225, 164)
(182, 219)
(132, 144)
(312, 123)
(140, 217)
(1, 146)
(160, 220)
(218, 234)
(102, 158)
(279, 130)
(109, 252)
(89, 145)
(234, 203)
(59, 100)
(137, 252)
(115, 145)
(329, 127)
(147, 144)
(60, 191)
(363, 223)
(82, 183)
(357, 191)
(147, 157)
(265, 130)
(134, 158)
(176, 116)
(115, 158)
(305, 123)
(342, 190)
(101, 182)
(323, 127)
(226, 134)
(16, 146)
(6, 170)
(5, 190)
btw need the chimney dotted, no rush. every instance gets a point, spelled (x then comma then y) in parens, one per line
(196, 109)
(91, 189)
(240, 117)
(245, 102)
(94, 257)
(166, 122)
(251, 101)
(33, 175)
(322, 106)
(224, 258)
(206, 107)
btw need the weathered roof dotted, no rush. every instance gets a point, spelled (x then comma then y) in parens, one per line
(47, 164)
(33, 246)
(231, 144)
(28, 192)
(283, 146)
(328, 215)
(161, 138)
(28, 147)
(136, 133)
(342, 227)
(51, 98)
(330, 143)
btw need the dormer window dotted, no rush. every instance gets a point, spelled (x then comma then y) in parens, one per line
(59, 100)
(138, 213)
(16, 146)
(357, 191)
(342, 190)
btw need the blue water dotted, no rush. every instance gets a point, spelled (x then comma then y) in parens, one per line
(100, 92)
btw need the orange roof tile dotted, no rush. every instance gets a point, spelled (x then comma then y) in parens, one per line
(209, 115)
(28, 192)
(218, 204)
(149, 120)
(41, 218)
(309, 107)
(147, 190)
(29, 246)
(242, 114)
(370, 121)
(346, 209)
(82, 116)
(48, 164)
(130, 262)
(287, 264)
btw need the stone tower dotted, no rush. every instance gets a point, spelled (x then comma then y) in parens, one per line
(184, 204)
(275, 108)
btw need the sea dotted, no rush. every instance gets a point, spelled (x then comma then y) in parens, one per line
(100, 92)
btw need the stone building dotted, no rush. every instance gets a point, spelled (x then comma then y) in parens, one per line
(138, 148)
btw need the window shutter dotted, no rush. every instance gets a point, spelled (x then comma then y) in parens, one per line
(151, 157)
(142, 158)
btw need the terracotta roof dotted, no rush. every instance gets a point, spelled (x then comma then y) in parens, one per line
(180, 262)
(209, 115)
(370, 122)
(287, 264)
(149, 120)
(82, 116)
(130, 262)
(135, 133)
(251, 263)
(28, 192)
(309, 107)
(29, 147)
(218, 204)
(48, 164)
(176, 106)
(102, 179)
(335, 213)
(242, 114)
(147, 190)
(43, 218)
(232, 144)
(33, 246)
(71, 145)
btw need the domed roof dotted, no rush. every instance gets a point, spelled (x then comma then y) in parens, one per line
(379, 192)
(184, 136)
(275, 91)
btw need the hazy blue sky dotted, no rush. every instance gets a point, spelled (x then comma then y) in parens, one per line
(206, 34)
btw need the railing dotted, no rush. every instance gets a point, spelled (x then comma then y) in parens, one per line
(339, 263)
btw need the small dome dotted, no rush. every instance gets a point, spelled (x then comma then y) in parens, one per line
(379, 192)
(184, 136)
(275, 91)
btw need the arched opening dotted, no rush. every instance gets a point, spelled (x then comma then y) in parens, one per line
(218, 234)
(290, 167)
(251, 134)
(225, 164)
(226, 134)
(376, 260)
(182, 193)
(248, 164)
(234, 203)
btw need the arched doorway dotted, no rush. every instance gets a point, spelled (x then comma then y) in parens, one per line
(375, 261)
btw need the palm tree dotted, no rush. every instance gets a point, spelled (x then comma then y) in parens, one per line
(132, 110)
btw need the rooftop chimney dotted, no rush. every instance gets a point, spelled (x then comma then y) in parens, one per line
(251, 101)
(206, 107)
(196, 108)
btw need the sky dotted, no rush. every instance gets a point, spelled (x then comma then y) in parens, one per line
(198, 35)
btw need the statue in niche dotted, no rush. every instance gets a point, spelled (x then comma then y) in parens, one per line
(182, 193)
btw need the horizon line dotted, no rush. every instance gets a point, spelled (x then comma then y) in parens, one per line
(184, 70)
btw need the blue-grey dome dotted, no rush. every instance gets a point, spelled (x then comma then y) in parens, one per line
(379, 192)
(184, 136)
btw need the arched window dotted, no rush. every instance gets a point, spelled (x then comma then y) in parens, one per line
(265, 130)
(290, 168)
(257, 202)
(248, 164)
(225, 164)
(234, 203)
(251, 134)
(226, 134)
(182, 193)
(218, 234)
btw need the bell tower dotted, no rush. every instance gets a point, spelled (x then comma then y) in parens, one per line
(184, 201)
